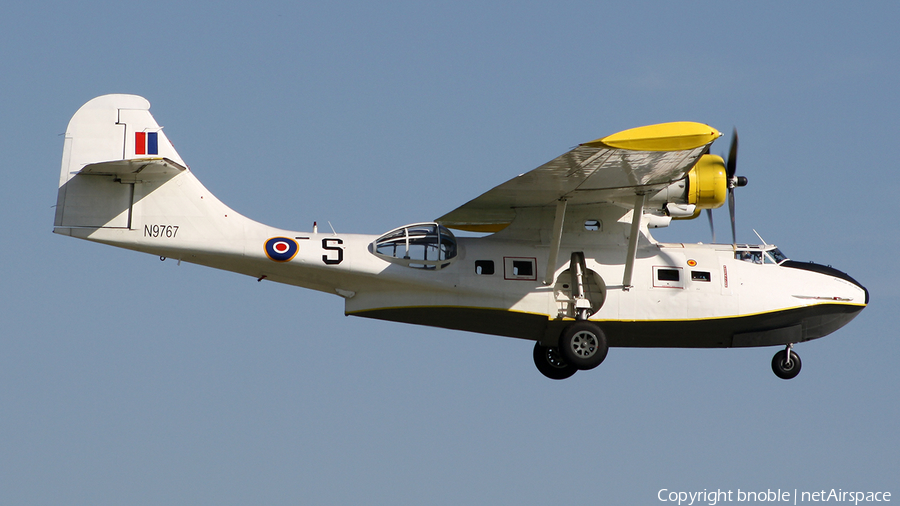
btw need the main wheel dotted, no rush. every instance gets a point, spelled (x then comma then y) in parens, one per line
(784, 367)
(550, 364)
(583, 345)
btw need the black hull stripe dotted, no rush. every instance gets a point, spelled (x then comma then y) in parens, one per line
(806, 323)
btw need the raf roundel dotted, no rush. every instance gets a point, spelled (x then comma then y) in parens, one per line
(281, 249)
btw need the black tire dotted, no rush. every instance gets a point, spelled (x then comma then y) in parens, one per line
(583, 345)
(787, 370)
(550, 364)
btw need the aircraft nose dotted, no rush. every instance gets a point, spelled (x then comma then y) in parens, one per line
(826, 270)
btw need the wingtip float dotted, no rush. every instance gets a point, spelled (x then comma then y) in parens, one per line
(675, 136)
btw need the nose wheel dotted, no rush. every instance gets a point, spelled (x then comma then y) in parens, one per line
(786, 363)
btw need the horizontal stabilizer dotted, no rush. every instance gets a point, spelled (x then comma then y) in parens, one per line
(113, 127)
(142, 167)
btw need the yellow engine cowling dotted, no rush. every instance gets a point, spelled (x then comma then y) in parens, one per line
(705, 186)
(707, 183)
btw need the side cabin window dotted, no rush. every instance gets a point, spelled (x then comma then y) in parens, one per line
(520, 268)
(420, 245)
(484, 267)
(667, 277)
(703, 276)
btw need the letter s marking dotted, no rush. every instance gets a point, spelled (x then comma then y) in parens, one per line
(338, 249)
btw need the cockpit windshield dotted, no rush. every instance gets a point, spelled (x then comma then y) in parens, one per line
(776, 255)
(765, 254)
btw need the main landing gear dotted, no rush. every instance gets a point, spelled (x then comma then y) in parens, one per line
(786, 364)
(582, 346)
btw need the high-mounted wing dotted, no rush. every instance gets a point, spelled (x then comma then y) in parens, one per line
(611, 169)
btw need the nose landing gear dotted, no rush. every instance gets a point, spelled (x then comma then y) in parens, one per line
(786, 363)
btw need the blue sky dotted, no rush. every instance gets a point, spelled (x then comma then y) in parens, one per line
(125, 380)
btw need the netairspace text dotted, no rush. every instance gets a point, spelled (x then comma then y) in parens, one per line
(713, 497)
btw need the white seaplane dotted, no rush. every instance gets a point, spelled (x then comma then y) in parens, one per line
(566, 259)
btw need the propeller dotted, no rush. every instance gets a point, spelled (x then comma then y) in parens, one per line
(712, 228)
(732, 181)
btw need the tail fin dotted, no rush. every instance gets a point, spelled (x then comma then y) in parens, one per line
(122, 183)
(112, 135)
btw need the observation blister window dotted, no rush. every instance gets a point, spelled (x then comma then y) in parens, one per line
(421, 245)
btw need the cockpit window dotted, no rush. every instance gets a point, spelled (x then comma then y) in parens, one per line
(759, 254)
(755, 257)
(777, 255)
(421, 245)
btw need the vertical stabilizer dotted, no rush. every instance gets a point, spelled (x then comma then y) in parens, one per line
(122, 183)
(108, 129)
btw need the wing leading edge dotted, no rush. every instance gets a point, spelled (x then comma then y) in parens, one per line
(612, 169)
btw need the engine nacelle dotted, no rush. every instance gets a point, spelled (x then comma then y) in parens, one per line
(707, 183)
(704, 187)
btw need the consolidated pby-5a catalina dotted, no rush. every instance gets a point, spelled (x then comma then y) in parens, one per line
(566, 258)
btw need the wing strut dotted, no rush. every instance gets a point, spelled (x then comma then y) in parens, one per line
(556, 239)
(633, 240)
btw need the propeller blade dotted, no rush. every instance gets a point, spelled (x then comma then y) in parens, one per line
(730, 171)
(731, 212)
(731, 165)
(712, 228)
